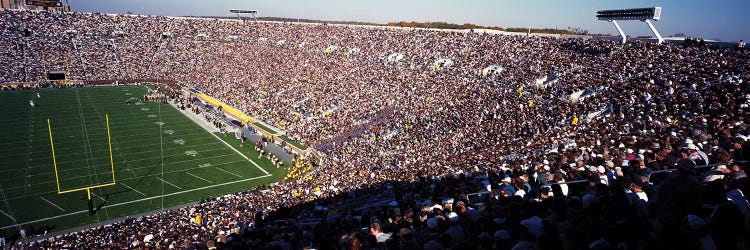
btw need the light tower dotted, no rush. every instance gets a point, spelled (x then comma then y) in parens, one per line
(250, 12)
(642, 14)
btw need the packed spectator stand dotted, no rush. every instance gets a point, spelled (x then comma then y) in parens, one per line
(432, 157)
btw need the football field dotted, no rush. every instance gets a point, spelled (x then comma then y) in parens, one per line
(159, 157)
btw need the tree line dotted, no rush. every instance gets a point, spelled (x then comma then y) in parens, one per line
(434, 25)
(444, 25)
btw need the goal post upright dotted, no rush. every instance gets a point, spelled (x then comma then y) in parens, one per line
(87, 189)
(109, 141)
(54, 160)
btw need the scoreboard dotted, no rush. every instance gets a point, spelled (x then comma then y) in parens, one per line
(45, 3)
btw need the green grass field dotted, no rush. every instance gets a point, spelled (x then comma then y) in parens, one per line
(161, 158)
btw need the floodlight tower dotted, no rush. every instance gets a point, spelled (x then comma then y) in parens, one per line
(238, 12)
(252, 13)
(642, 14)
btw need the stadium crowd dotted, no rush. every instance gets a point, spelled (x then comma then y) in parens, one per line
(603, 154)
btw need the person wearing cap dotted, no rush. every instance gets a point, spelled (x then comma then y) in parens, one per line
(523, 183)
(433, 239)
(694, 153)
(507, 187)
(541, 176)
(598, 172)
(456, 231)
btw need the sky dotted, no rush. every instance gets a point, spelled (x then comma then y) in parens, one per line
(727, 20)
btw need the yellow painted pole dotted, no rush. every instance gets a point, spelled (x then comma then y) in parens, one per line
(85, 188)
(109, 139)
(88, 189)
(54, 161)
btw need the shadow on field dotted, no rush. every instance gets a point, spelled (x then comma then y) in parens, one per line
(143, 177)
(140, 180)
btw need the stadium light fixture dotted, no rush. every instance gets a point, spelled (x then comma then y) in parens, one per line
(250, 12)
(642, 14)
(247, 12)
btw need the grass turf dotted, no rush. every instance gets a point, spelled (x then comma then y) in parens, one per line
(155, 165)
(263, 127)
(293, 142)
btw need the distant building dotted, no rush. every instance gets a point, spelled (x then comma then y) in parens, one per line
(50, 5)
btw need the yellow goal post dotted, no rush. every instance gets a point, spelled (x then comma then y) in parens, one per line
(88, 189)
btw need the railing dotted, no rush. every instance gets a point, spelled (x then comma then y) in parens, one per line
(477, 198)
(135, 80)
(702, 169)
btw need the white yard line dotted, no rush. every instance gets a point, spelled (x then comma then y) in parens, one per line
(137, 153)
(135, 135)
(222, 170)
(124, 179)
(133, 201)
(107, 165)
(93, 194)
(168, 183)
(53, 204)
(27, 174)
(131, 188)
(13, 140)
(138, 113)
(199, 177)
(240, 153)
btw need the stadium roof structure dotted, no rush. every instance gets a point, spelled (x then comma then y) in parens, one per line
(642, 14)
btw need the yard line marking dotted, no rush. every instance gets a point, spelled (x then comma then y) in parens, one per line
(222, 170)
(93, 194)
(135, 132)
(124, 179)
(11, 217)
(121, 121)
(178, 148)
(133, 201)
(240, 153)
(133, 142)
(199, 177)
(28, 152)
(106, 165)
(168, 183)
(131, 188)
(53, 204)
